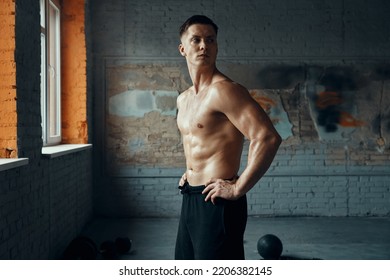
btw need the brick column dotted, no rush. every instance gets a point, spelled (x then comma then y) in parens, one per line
(8, 115)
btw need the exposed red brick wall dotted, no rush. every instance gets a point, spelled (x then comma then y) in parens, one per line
(74, 79)
(8, 116)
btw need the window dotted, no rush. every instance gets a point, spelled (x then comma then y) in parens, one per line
(50, 72)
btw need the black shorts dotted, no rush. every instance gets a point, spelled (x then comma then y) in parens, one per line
(210, 232)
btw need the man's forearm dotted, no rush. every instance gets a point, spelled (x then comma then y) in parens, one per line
(260, 156)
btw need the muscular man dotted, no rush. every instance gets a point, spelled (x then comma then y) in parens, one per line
(214, 116)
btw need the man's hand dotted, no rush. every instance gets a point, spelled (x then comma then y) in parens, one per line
(226, 189)
(183, 179)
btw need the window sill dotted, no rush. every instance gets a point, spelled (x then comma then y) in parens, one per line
(65, 149)
(9, 163)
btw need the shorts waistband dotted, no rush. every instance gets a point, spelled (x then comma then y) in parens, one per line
(188, 189)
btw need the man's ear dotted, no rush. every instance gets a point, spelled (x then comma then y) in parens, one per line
(181, 50)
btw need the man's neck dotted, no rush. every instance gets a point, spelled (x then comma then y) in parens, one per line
(202, 77)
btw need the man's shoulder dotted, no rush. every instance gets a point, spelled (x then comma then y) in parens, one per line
(227, 87)
(231, 83)
(228, 95)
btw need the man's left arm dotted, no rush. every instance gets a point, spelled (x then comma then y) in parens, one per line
(248, 117)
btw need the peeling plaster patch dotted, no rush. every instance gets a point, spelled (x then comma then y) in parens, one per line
(144, 102)
(137, 103)
(166, 101)
(135, 144)
(272, 105)
(336, 123)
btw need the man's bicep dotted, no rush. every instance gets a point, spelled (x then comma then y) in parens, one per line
(242, 110)
(250, 118)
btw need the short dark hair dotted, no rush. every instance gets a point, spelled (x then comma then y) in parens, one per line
(197, 19)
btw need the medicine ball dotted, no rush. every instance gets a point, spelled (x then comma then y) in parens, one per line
(269, 247)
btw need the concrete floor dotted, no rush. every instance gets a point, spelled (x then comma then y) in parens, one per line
(329, 238)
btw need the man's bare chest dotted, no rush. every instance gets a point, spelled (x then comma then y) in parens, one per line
(198, 117)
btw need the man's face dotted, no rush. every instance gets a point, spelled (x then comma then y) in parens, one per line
(199, 45)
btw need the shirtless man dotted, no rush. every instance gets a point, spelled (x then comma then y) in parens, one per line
(214, 116)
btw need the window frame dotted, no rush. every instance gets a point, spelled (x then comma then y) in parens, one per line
(51, 88)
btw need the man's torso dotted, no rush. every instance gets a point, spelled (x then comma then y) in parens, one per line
(212, 144)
